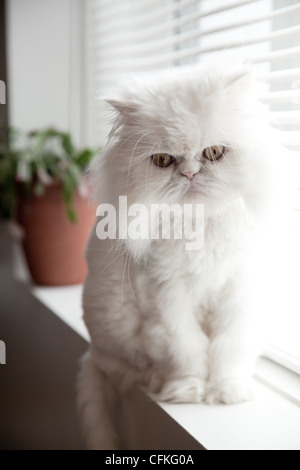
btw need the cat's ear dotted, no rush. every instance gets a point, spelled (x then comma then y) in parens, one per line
(122, 106)
(240, 81)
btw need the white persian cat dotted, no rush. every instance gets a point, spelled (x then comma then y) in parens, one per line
(185, 324)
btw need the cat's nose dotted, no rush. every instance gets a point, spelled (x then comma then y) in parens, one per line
(189, 174)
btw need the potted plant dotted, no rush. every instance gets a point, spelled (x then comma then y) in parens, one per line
(43, 186)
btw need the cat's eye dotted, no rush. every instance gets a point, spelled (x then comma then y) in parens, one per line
(163, 160)
(213, 153)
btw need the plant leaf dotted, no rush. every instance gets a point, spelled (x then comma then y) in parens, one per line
(84, 157)
(67, 144)
(72, 215)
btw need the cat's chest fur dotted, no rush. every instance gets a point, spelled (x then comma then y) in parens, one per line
(196, 277)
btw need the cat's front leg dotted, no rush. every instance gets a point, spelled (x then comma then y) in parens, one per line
(232, 350)
(185, 373)
(178, 349)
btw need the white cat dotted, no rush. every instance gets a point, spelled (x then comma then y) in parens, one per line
(183, 324)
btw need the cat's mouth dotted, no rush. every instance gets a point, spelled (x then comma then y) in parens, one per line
(193, 188)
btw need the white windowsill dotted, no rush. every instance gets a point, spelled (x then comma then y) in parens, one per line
(269, 422)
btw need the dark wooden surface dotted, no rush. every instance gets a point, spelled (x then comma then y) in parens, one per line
(37, 385)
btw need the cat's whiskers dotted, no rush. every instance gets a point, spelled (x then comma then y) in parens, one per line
(129, 280)
(155, 193)
(114, 259)
(113, 249)
(132, 153)
(127, 255)
(122, 142)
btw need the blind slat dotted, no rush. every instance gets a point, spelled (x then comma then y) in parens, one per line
(287, 74)
(285, 96)
(108, 8)
(291, 139)
(276, 55)
(287, 117)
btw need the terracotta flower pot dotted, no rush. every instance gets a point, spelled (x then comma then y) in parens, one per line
(53, 245)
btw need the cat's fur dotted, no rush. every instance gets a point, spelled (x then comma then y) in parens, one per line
(184, 324)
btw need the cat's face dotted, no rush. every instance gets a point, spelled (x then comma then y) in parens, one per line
(187, 135)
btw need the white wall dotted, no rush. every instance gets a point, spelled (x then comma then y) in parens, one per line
(40, 82)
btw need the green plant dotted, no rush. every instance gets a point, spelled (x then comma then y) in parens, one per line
(46, 156)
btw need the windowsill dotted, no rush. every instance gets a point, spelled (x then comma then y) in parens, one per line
(269, 422)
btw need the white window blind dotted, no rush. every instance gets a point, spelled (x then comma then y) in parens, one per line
(128, 36)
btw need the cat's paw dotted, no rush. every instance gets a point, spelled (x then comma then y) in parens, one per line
(228, 391)
(183, 390)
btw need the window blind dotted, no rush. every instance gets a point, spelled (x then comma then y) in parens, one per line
(137, 35)
(128, 36)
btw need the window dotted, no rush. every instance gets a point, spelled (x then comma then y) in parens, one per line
(135, 35)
